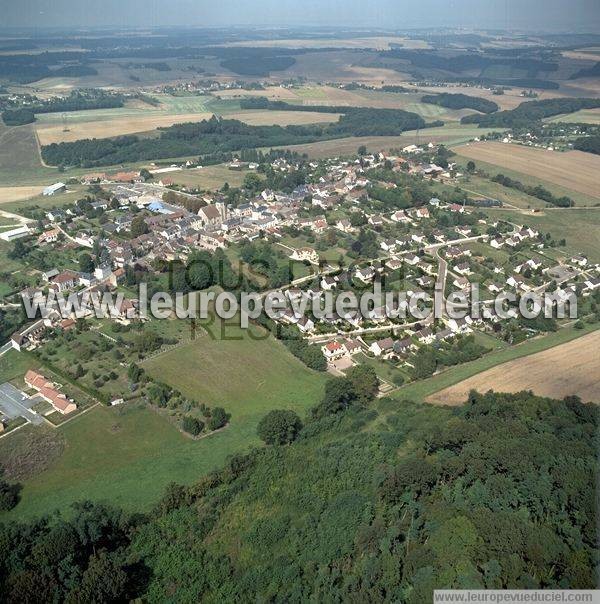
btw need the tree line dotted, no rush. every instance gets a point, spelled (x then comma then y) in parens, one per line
(460, 101)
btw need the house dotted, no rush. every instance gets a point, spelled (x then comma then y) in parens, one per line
(49, 274)
(388, 245)
(463, 268)
(344, 225)
(47, 390)
(497, 242)
(516, 281)
(403, 346)
(64, 281)
(412, 259)
(333, 350)
(59, 187)
(425, 335)
(422, 213)
(462, 283)
(442, 335)
(328, 283)
(579, 261)
(418, 238)
(382, 347)
(49, 236)
(593, 284)
(366, 274)
(394, 264)
(305, 325)
(352, 346)
(210, 215)
(400, 216)
(376, 220)
(459, 325)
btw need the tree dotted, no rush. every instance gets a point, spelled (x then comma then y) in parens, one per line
(279, 427)
(139, 226)
(19, 250)
(218, 418)
(9, 493)
(146, 174)
(470, 167)
(192, 425)
(362, 150)
(86, 263)
(364, 381)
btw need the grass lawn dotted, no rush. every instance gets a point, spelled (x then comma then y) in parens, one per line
(127, 455)
(418, 391)
(13, 366)
(478, 186)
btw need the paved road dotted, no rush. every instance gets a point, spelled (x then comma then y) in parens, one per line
(13, 403)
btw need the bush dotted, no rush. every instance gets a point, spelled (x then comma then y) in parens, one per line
(218, 418)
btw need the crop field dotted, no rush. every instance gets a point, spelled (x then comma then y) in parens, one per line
(575, 369)
(208, 177)
(11, 194)
(573, 170)
(283, 118)
(127, 455)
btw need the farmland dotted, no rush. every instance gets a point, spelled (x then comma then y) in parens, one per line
(574, 170)
(127, 455)
(575, 369)
(585, 116)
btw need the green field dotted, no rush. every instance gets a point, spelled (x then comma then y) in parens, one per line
(127, 455)
(580, 228)
(419, 391)
(585, 116)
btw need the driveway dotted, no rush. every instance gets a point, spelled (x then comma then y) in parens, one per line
(14, 403)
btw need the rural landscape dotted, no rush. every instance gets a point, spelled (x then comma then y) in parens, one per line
(377, 454)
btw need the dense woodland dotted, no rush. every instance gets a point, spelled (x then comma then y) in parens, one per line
(369, 503)
(460, 101)
(530, 112)
(590, 144)
(221, 136)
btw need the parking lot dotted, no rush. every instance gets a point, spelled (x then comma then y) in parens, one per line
(14, 403)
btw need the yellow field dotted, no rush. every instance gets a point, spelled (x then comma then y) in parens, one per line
(10, 194)
(53, 133)
(573, 170)
(282, 118)
(571, 368)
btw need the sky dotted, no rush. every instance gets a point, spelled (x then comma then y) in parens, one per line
(556, 15)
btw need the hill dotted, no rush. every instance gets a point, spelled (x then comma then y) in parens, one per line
(369, 505)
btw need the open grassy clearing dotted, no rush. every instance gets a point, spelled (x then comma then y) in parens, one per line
(208, 177)
(283, 118)
(419, 391)
(478, 186)
(127, 455)
(585, 116)
(575, 367)
(573, 170)
(579, 227)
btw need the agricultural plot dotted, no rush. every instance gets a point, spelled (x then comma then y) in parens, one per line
(208, 177)
(575, 369)
(12, 194)
(585, 116)
(573, 170)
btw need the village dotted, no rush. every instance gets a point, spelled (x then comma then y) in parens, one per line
(335, 225)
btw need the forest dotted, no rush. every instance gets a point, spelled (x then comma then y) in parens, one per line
(363, 502)
(218, 135)
(531, 111)
(460, 101)
(589, 144)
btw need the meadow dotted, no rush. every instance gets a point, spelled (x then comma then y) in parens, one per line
(127, 455)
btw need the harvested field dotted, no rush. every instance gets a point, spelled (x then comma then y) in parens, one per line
(10, 194)
(283, 118)
(571, 368)
(574, 170)
(53, 133)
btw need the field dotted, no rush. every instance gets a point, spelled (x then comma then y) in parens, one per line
(128, 455)
(12, 194)
(283, 118)
(585, 116)
(208, 177)
(575, 369)
(420, 391)
(574, 170)
(450, 134)
(579, 227)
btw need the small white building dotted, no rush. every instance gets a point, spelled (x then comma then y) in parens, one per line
(59, 187)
